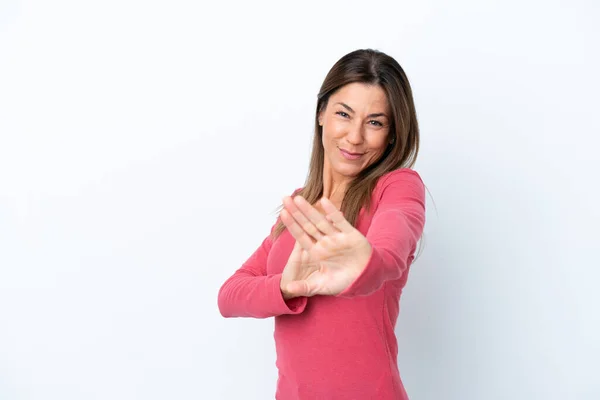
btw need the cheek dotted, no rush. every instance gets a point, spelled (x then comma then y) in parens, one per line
(328, 140)
(378, 141)
(334, 130)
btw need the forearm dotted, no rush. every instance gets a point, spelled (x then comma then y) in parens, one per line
(392, 247)
(256, 297)
(383, 266)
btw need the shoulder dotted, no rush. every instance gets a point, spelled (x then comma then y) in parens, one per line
(296, 191)
(400, 182)
(400, 175)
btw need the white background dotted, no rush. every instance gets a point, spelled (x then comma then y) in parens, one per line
(145, 145)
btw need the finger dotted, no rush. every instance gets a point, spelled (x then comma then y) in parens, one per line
(303, 238)
(336, 216)
(314, 216)
(310, 228)
(296, 251)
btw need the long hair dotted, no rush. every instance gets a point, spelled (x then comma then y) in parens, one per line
(375, 68)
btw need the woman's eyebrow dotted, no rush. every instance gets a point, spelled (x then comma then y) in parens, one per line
(346, 106)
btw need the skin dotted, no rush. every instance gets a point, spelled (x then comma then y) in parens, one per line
(329, 253)
(355, 130)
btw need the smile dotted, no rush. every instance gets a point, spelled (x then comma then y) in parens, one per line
(350, 156)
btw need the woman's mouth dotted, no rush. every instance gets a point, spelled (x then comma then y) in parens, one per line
(349, 155)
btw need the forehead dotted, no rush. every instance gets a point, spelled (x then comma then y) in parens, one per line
(361, 96)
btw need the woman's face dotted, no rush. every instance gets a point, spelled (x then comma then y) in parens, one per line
(355, 128)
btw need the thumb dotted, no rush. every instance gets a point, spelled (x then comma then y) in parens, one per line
(299, 288)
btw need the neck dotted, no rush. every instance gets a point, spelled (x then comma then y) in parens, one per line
(334, 185)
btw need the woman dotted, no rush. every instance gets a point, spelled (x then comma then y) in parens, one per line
(332, 270)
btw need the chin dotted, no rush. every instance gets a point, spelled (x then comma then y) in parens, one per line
(348, 170)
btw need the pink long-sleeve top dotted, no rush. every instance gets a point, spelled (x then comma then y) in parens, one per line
(343, 346)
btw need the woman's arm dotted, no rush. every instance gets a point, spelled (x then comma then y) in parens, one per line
(250, 292)
(395, 230)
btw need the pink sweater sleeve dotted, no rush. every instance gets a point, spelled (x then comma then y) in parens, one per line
(250, 292)
(395, 230)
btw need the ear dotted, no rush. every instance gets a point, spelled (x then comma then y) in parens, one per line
(320, 115)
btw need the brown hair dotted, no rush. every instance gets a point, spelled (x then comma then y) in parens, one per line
(376, 68)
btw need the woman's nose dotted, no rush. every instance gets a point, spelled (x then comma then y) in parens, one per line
(355, 134)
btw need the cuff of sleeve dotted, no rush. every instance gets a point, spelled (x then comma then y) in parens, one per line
(291, 306)
(367, 281)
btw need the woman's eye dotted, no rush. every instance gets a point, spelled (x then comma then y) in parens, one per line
(341, 113)
(376, 123)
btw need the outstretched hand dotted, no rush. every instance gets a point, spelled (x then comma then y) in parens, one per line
(329, 253)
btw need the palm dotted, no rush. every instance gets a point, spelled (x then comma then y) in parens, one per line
(329, 264)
